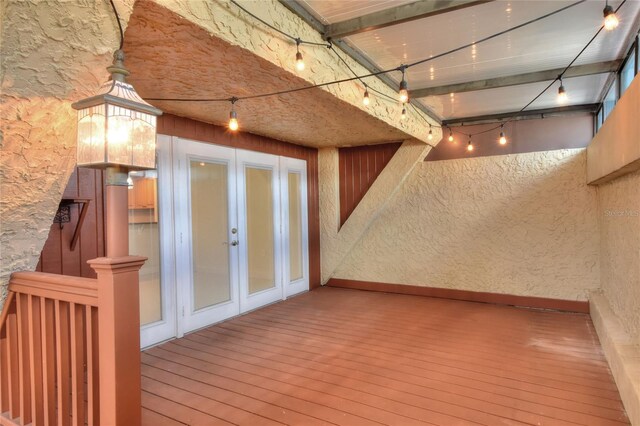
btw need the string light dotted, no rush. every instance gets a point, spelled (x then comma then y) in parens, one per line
(430, 136)
(469, 145)
(403, 87)
(366, 100)
(404, 113)
(503, 138)
(562, 93)
(299, 60)
(610, 19)
(403, 93)
(233, 116)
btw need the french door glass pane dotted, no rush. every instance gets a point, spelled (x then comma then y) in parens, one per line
(144, 240)
(260, 238)
(209, 227)
(295, 228)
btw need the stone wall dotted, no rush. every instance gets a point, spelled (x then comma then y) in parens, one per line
(521, 224)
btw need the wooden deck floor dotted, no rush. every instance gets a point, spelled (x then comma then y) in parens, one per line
(348, 357)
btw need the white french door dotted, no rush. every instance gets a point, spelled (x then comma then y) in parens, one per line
(205, 205)
(295, 225)
(237, 222)
(259, 234)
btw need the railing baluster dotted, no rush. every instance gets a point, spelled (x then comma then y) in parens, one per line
(62, 361)
(13, 372)
(48, 360)
(95, 367)
(23, 358)
(77, 364)
(91, 367)
(5, 376)
(35, 356)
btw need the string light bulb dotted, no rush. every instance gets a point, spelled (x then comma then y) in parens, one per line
(450, 135)
(299, 59)
(562, 93)
(233, 116)
(430, 136)
(503, 138)
(469, 145)
(366, 100)
(404, 113)
(610, 19)
(403, 92)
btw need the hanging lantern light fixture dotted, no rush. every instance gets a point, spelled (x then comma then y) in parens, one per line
(116, 127)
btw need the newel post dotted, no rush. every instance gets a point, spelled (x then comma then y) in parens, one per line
(119, 339)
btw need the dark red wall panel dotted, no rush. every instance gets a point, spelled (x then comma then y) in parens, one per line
(56, 256)
(359, 168)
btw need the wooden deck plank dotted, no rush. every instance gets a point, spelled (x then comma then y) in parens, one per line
(336, 356)
(403, 363)
(507, 362)
(484, 400)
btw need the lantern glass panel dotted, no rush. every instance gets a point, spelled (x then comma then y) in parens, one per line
(119, 135)
(91, 137)
(144, 140)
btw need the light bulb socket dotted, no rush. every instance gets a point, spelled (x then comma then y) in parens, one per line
(608, 10)
(298, 56)
(561, 90)
(233, 115)
(502, 134)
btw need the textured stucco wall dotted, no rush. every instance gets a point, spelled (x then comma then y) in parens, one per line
(619, 220)
(522, 224)
(335, 241)
(52, 53)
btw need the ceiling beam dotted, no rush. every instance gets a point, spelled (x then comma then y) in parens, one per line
(520, 115)
(395, 15)
(295, 7)
(514, 80)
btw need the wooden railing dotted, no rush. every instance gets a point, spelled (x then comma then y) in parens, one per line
(49, 350)
(66, 341)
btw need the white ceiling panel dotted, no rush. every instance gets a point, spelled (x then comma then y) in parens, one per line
(581, 90)
(550, 43)
(547, 44)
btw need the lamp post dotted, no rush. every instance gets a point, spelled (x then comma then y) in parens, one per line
(116, 133)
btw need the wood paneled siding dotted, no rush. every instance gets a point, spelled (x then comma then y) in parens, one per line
(359, 168)
(196, 130)
(56, 256)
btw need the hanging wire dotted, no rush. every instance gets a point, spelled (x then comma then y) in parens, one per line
(115, 12)
(356, 77)
(384, 95)
(492, 36)
(278, 30)
(558, 78)
(400, 68)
